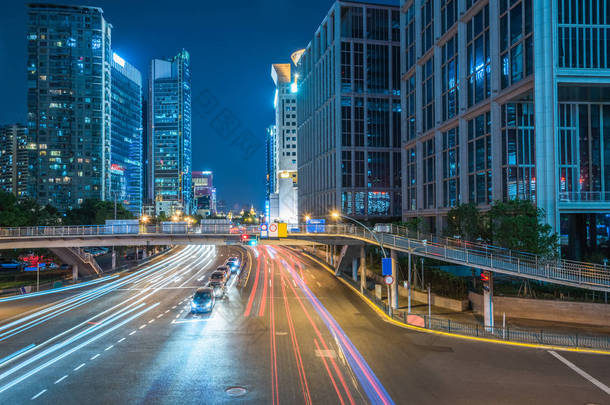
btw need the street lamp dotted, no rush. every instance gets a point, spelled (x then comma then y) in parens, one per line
(336, 215)
(307, 218)
(144, 219)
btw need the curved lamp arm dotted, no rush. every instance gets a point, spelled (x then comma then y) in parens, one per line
(373, 233)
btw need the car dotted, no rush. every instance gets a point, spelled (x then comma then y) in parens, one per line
(218, 288)
(233, 263)
(219, 275)
(226, 269)
(203, 300)
(10, 264)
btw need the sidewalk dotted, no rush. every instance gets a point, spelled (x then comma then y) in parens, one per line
(421, 308)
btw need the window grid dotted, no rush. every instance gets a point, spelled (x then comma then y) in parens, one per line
(449, 73)
(479, 159)
(451, 168)
(516, 41)
(478, 57)
(429, 184)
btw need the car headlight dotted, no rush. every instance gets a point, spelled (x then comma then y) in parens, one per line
(193, 304)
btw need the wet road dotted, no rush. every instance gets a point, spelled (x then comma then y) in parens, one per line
(287, 331)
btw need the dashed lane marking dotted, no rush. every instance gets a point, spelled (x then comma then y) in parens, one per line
(95, 357)
(39, 394)
(79, 367)
(142, 327)
(132, 332)
(61, 379)
(108, 348)
(120, 340)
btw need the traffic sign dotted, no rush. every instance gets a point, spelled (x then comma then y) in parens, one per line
(386, 266)
(273, 230)
(264, 231)
(388, 280)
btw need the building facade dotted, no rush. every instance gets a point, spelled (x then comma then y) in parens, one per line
(285, 145)
(126, 135)
(509, 100)
(169, 132)
(14, 159)
(349, 111)
(68, 98)
(204, 193)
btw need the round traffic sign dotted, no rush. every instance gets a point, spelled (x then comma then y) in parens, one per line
(273, 228)
(388, 279)
(263, 227)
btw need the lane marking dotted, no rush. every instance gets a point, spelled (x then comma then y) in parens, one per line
(120, 340)
(108, 348)
(582, 373)
(151, 321)
(95, 357)
(159, 316)
(166, 311)
(142, 327)
(79, 367)
(39, 394)
(132, 332)
(61, 379)
(318, 283)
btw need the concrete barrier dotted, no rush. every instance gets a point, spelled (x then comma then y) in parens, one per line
(437, 301)
(546, 310)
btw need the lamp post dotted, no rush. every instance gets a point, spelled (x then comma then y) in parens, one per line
(337, 215)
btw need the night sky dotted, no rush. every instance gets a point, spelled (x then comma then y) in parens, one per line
(232, 46)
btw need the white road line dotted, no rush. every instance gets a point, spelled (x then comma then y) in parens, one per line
(108, 348)
(582, 373)
(318, 283)
(79, 367)
(151, 321)
(39, 394)
(120, 340)
(61, 379)
(142, 327)
(159, 316)
(95, 357)
(166, 311)
(132, 332)
(174, 307)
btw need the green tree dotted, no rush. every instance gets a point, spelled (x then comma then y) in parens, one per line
(467, 221)
(96, 212)
(25, 212)
(412, 224)
(519, 225)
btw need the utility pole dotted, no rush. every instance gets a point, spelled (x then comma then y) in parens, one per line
(409, 285)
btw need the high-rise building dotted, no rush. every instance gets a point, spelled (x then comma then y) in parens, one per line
(69, 97)
(126, 135)
(270, 161)
(145, 192)
(204, 193)
(169, 133)
(509, 100)
(14, 159)
(285, 145)
(349, 108)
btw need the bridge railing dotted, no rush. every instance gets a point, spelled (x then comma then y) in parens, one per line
(483, 256)
(456, 250)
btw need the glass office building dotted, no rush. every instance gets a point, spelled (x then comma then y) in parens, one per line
(126, 135)
(14, 159)
(349, 114)
(169, 132)
(68, 99)
(504, 100)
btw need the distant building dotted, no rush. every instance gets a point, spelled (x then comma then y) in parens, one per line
(69, 97)
(285, 179)
(169, 134)
(509, 100)
(145, 166)
(126, 135)
(14, 159)
(204, 193)
(349, 114)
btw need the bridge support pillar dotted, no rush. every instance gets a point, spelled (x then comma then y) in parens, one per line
(394, 286)
(144, 253)
(113, 258)
(362, 269)
(488, 304)
(74, 272)
(355, 269)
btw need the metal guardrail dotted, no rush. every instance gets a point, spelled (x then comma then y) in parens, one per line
(520, 335)
(520, 264)
(584, 196)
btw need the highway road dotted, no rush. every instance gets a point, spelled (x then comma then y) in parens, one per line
(286, 332)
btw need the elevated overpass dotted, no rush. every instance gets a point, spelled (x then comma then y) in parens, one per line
(484, 257)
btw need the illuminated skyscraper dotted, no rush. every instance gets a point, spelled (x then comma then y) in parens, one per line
(126, 135)
(169, 133)
(348, 102)
(69, 96)
(509, 100)
(13, 159)
(204, 193)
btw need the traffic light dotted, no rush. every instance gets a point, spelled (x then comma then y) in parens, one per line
(251, 240)
(245, 237)
(484, 277)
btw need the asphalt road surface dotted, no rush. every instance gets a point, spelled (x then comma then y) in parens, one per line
(287, 331)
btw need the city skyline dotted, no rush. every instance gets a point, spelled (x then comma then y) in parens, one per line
(131, 40)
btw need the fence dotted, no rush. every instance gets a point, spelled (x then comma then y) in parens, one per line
(519, 335)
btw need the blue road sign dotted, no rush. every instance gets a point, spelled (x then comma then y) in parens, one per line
(386, 266)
